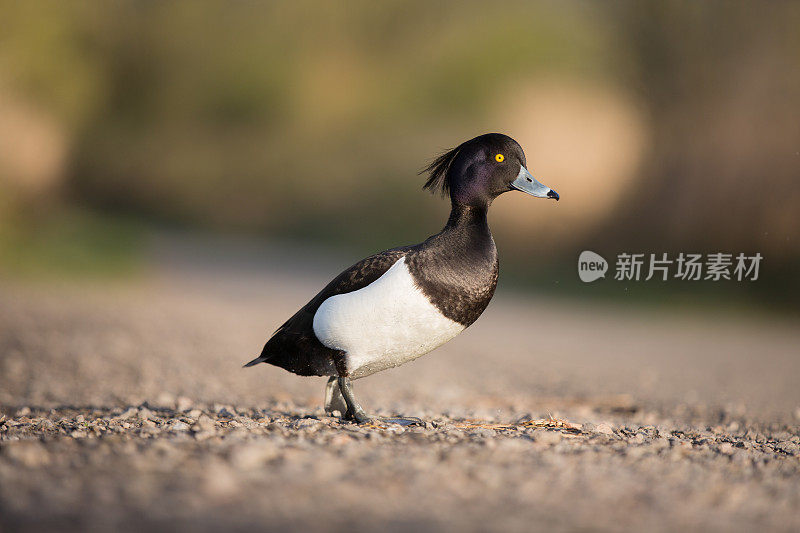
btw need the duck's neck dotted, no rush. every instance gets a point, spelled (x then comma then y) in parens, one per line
(465, 246)
(469, 218)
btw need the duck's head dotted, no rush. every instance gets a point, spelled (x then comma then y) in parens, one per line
(481, 169)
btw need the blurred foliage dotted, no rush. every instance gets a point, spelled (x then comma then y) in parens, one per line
(723, 90)
(72, 245)
(242, 114)
(309, 120)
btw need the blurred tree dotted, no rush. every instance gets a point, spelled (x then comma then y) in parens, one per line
(723, 92)
(273, 117)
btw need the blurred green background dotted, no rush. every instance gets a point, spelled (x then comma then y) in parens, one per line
(665, 126)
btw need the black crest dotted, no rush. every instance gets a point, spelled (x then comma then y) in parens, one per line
(438, 170)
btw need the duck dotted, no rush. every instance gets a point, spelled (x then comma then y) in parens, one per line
(399, 304)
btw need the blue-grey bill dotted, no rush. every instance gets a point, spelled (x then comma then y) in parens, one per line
(526, 183)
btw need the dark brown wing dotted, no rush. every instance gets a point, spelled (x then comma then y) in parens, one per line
(295, 347)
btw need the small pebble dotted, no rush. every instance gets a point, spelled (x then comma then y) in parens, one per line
(129, 413)
(726, 448)
(204, 423)
(604, 428)
(183, 404)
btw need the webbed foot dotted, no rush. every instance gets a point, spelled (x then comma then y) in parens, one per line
(356, 413)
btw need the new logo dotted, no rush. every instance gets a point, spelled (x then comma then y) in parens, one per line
(591, 266)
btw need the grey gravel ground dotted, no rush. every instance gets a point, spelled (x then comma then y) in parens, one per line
(125, 408)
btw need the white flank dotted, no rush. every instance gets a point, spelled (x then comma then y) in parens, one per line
(387, 323)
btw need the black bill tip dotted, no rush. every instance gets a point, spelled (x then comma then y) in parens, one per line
(553, 194)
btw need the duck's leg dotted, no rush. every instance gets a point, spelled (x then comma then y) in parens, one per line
(354, 409)
(333, 397)
(357, 413)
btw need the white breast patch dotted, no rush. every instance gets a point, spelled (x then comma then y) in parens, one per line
(383, 325)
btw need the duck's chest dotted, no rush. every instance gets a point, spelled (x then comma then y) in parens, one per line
(460, 282)
(385, 324)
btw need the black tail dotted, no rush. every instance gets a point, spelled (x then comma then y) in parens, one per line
(259, 359)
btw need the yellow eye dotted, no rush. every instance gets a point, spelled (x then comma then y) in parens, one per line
(499, 158)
